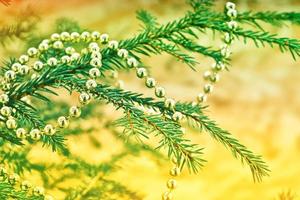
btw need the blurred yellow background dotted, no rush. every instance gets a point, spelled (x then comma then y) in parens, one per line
(258, 101)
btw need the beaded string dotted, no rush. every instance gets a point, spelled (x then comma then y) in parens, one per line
(56, 41)
(25, 185)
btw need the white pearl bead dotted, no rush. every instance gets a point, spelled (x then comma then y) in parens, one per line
(230, 5)
(94, 72)
(13, 178)
(63, 122)
(74, 111)
(150, 82)
(132, 62)
(91, 84)
(49, 129)
(58, 45)
(23, 59)
(32, 52)
(141, 72)
(95, 35)
(123, 53)
(113, 44)
(35, 134)
(38, 65)
(52, 62)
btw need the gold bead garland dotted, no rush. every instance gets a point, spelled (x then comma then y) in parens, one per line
(14, 180)
(57, 42)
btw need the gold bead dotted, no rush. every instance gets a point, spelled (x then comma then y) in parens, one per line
(25, 185)
(21, 133)
(3, 171)
(150, 82)
(160, 92)
(32, 52)
(91, 84)
(38, 65)
(167, 196)
(175, 171)
(10, 75)
(201, 98)
(141, 72)
(123, 53)
(58, 45)
(35, 134)
(52, 62)
(13, 179)
(96, 62)
(113, 44)
(170, 103)
(94, 72)
(15, 67)
(84, 98)
(5, 111)
(11, 123)
(132, 62)
(177, 116)
(74, 111)
(23, 70)
(4, 98)
(23, 59)
(38, 191)
(208, 88)
(104, 38)
(95, 35)
(171, 184)
(63, 122)
(49, 129)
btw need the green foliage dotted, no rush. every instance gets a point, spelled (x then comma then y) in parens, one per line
(177, 38)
